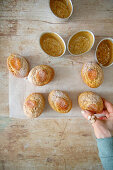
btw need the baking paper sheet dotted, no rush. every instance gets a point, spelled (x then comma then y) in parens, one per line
(67, 78)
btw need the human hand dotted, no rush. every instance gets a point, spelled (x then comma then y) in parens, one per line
(103, 126)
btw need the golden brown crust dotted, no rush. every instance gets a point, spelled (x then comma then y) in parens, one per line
(41, 75)
(60, 101)
(92, 74)
(34, 105)
(90, 101)
(18, 65)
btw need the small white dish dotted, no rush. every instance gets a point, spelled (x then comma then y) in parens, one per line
(63, 42)
(74, 35)
(63, 19)
(96, 52)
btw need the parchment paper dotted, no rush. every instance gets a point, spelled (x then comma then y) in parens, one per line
(67, 78)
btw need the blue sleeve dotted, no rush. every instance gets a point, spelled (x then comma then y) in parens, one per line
(105, 147)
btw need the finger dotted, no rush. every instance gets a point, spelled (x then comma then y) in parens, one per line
(106, 113)
(104, 104)
(103, 115)
(86, 113)
(103, 118)
(108, 105)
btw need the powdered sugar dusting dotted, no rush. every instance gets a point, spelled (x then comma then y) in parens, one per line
(38, 70)
(58, 94)
(37, 107)
(61, 102)
(91, 98)
(92, 74)
(24, 67)
(23, 71)
(88, 66)
(41, 73)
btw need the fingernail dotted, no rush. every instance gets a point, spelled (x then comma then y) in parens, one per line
(83, 112)
(102, 118)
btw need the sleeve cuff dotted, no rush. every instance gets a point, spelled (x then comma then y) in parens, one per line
(105, 147)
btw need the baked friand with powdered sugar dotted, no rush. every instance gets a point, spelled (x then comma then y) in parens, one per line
(90, 101)
(34, 105)
(60, 101)
(41, 75)
(18, 65)
(92, 74)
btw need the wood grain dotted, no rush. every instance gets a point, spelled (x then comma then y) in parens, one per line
(47, 144)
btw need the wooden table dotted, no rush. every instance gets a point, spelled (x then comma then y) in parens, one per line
(47, 144)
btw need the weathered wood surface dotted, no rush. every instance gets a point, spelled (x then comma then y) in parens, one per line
(47, 144)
